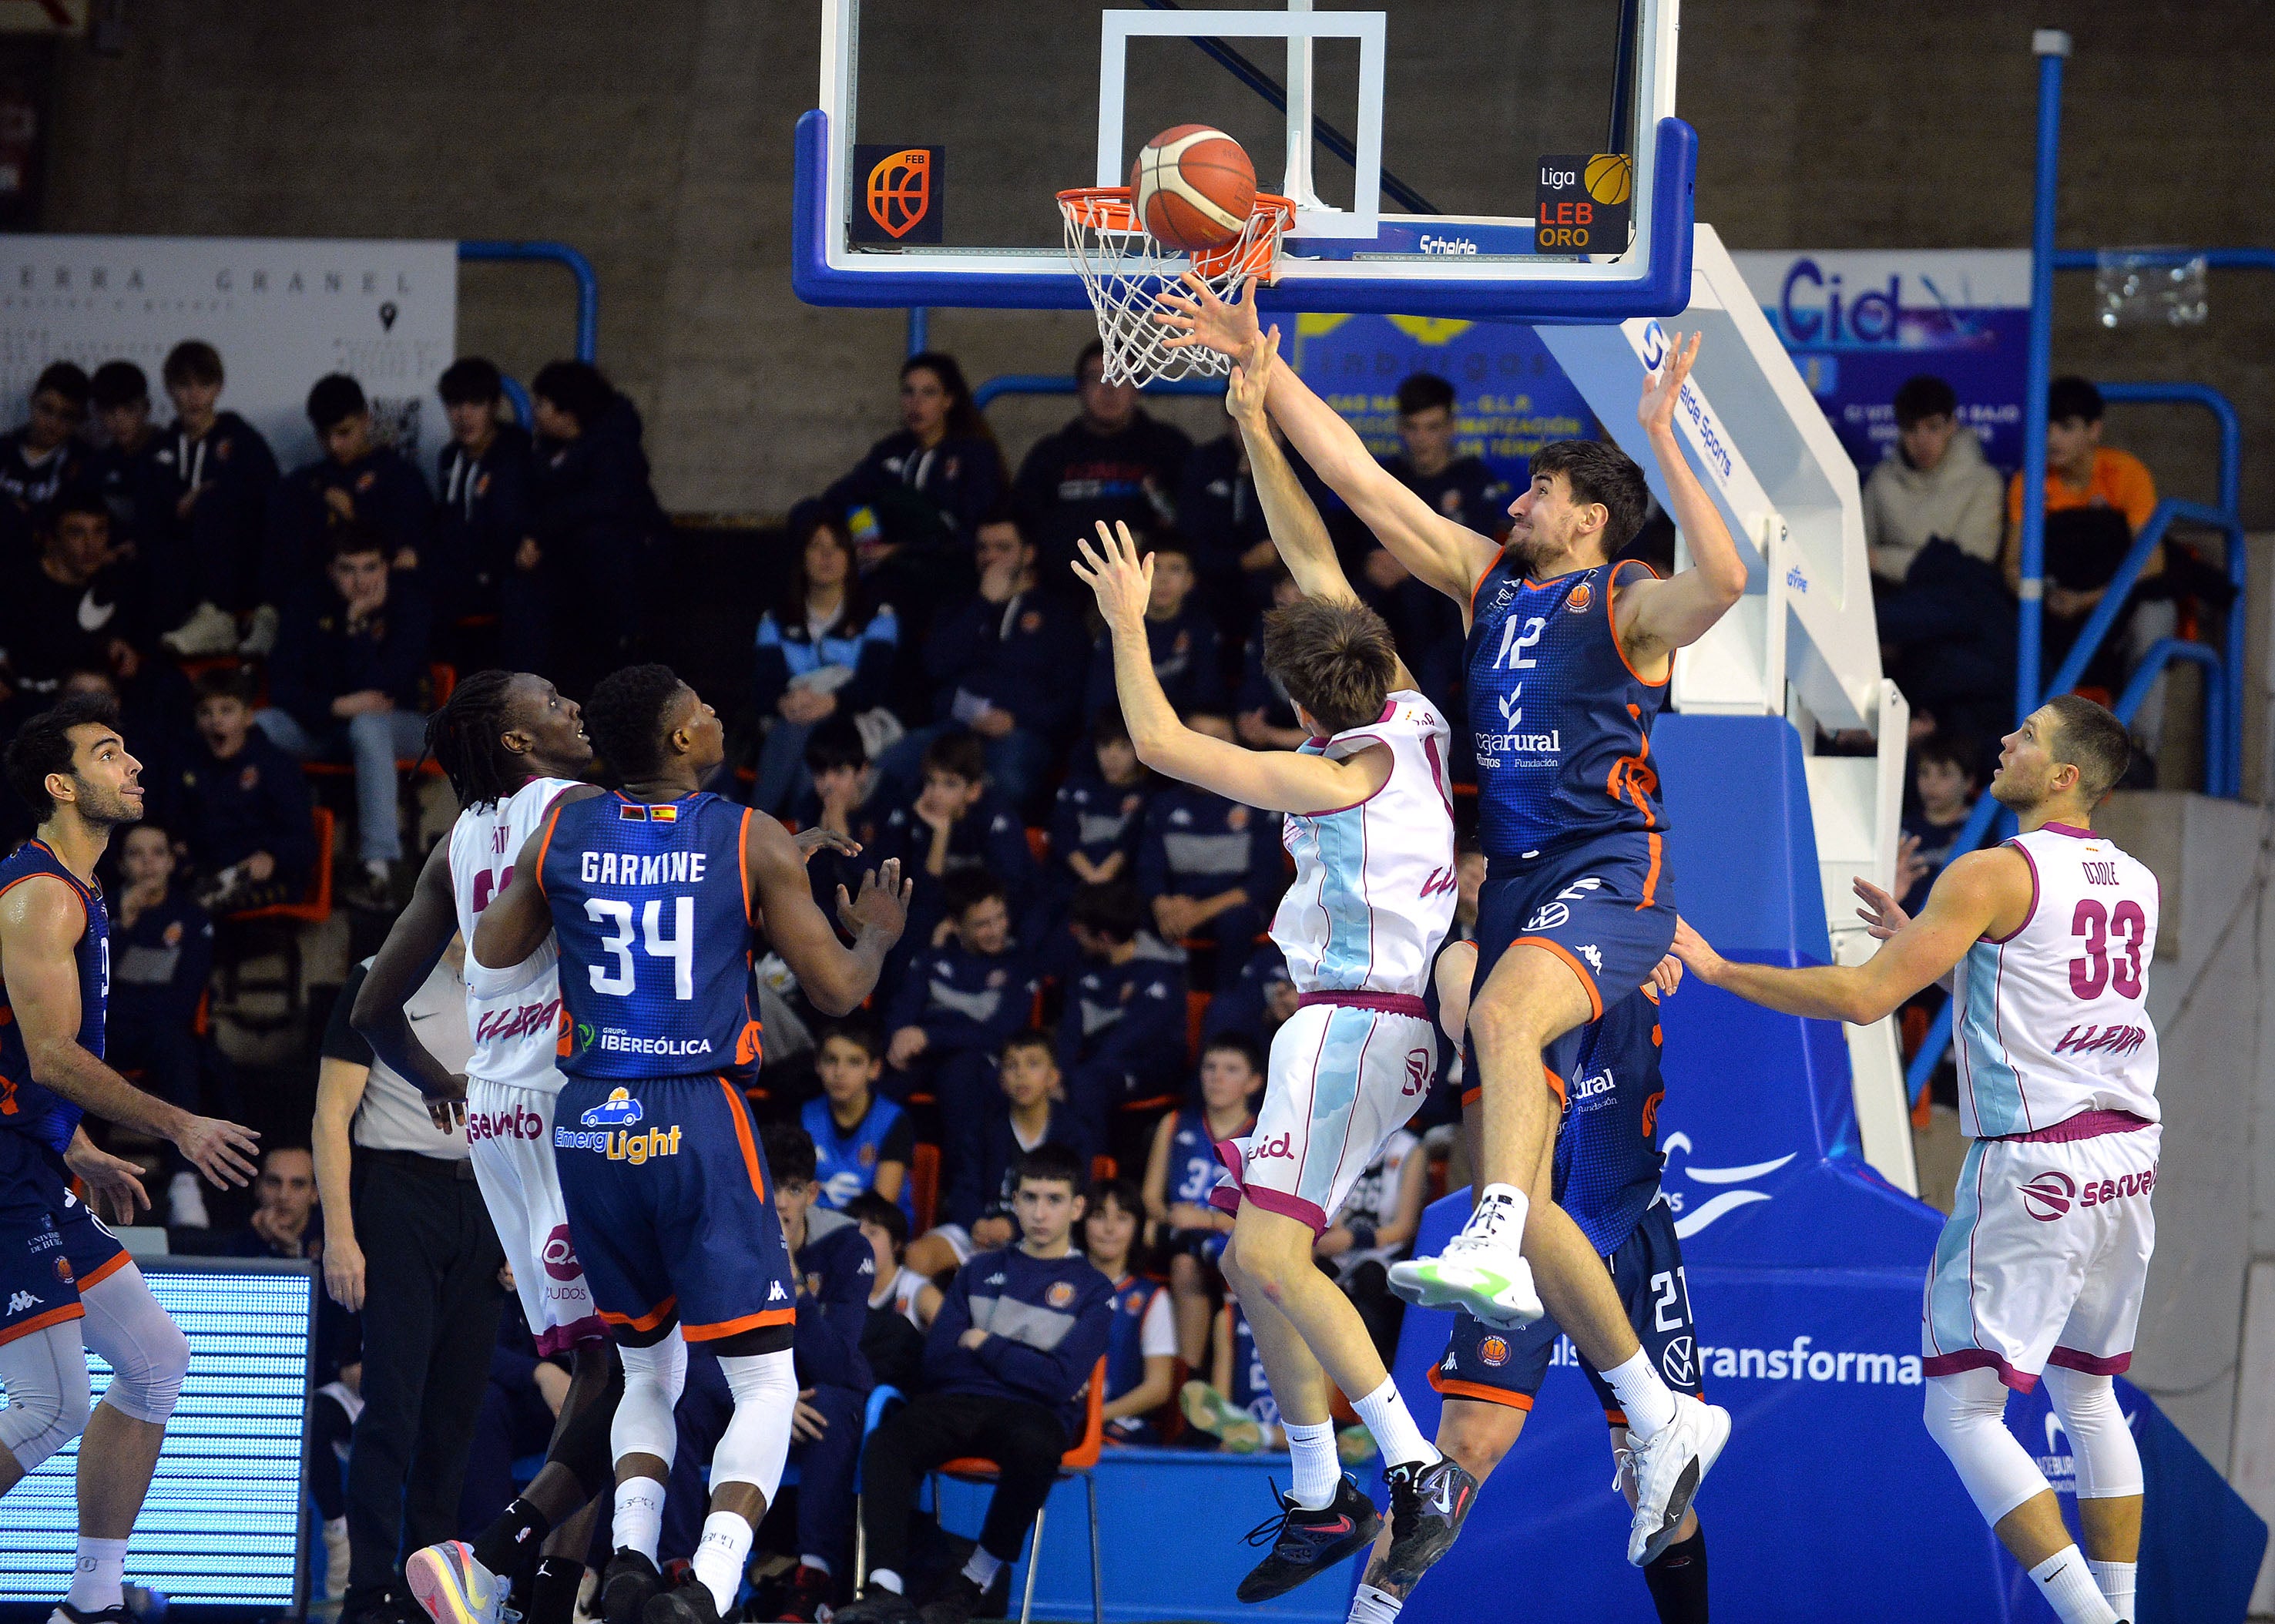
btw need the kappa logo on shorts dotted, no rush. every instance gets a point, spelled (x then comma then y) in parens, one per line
(1678, 1362)
(2048, 1195)
(559, 1255)
(1494, 1351)
(1594, 956)
(21, 1301)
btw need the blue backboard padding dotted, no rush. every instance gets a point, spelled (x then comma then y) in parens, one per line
(1740, 838)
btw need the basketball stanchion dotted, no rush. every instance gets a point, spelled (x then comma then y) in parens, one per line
(1125, 271)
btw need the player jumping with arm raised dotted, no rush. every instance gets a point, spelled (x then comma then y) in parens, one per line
(1569, 660)
(1372, 834)
(2045, 940)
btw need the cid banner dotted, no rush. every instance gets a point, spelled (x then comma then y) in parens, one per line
(1858, 324)
(1509, 396)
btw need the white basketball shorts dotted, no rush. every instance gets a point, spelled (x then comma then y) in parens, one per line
(1347, 1071)
(2047, 1253)
(509, 1134)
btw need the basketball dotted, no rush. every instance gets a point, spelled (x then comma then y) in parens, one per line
(1609, 178)
(1192, 187)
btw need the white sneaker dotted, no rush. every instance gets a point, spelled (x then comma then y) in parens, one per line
(1669, 1466)
(1480, 1270)
(208, 631)
(185, 1203)
(260, 639)
(452, 1587)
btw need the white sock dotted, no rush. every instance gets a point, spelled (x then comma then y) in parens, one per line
(820, 1564)
(983, 1568)
(2067, 1583)
(884, 1579)
(1646, 1401)
(1315, 1468)
(639, 1516)
(1499, 1215)
(720, 1555)
(2115, 1580)
(102, 1568)
(1373, 1607)
(1387, 1416)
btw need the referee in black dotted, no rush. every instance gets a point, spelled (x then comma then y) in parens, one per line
(419, 1259)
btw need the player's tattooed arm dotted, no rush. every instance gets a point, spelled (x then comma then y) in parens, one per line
(518, 918)
(1273, 780)
(41, 922)
(1657, 617)
(835, 977)
(1983, 893)
(413, 946)
(1449, 557)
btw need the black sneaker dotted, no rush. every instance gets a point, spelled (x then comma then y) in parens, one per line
(1306, 1544)
(628, 1584)
(1428, 1507)
(66, 1613)
(683, 1604)
(805, 1594)
(876, 1606)
(958, 1599)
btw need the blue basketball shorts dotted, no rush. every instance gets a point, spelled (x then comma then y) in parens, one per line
(670, 1208)
(51, 1247)
(1506, 1367)
(1603, 906)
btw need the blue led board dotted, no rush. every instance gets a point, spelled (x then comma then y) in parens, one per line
(221, 1528)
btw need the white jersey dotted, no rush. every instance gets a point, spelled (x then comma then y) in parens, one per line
(513, 1014)
(1374, 888)
(2053, 1020)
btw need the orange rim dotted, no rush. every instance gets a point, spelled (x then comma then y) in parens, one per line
(1107, 208)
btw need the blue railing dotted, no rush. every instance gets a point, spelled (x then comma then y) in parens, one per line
(588, 285)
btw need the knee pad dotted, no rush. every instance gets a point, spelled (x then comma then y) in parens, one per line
(757, 1441)
(45, 1374)
(653, 1379)
(2107, 1460)
(1965, 1414)
(148, 1354)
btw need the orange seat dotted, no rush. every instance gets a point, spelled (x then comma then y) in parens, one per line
(1078, 1461)
(316, 906)
(1197, 1007)
(1103, 1166)
(1039, 842)
(924, 1183)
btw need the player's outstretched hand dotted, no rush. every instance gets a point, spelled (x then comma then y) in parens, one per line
(447, 1112)
(1251, 378)
(1198, 316)
(1696, 952)
(1666, 975)
(1661, 389)
(114, 1186)
(810, 840)
(1121, 579)
(882, 908)
(1882, 914)
(223, 1152)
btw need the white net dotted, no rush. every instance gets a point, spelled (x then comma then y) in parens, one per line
(1126, 270)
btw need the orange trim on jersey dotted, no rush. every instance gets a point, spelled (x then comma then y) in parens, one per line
(1611, 592)
(1473, 1096)
(1480, 581)
(1454, 1388)
(68, 884)
(734, 1109)
(1587, 980)
(1616, 1418)
(102, 1272)
(1556, 1086)
(40, 1322)
(736, 1328)
(648, 1321)
(1632, 778)
(1651, 874)
(743, 865)
(552, 821)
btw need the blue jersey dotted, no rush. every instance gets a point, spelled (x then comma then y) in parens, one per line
(845, 1159)
(1561, 719)
(1193, 1164)
(1252, 1388)
(26, 1108)
(1125, 1343)
(1607, 1156)
(652, 911)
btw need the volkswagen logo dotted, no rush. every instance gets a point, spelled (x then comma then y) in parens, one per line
(1677, 1362)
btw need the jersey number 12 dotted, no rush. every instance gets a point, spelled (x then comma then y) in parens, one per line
(678, 947)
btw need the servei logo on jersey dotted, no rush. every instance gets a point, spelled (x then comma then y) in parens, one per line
(2052, 1193)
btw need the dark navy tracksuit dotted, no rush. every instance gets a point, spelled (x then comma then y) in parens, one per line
(989, 838)
(480, 523)
(982, 1186)
(967, 1004)
(256, 800)
(1187, 662)
(159, 967)
(387, 493)
(1122, 1036)
(214, 555)
(1200, 845)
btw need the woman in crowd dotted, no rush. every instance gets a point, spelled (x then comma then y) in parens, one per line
(824, 651)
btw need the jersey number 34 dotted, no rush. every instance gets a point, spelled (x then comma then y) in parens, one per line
(677, 949)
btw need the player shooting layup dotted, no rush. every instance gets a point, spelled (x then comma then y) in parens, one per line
(2046, 943)
(1569, 660)
(1372, 834)
(655, 892)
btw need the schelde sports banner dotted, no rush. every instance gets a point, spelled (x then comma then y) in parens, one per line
(1509, 396)
(282, 311)
(1858, 324)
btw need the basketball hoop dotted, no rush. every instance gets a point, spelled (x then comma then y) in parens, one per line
(1125, 271)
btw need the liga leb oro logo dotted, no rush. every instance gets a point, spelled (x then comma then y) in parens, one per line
(900, 196)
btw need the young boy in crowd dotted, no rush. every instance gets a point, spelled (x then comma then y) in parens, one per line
(1258, 1002)
(862, 1144)
(118, 470)
(1095, 822)
(901, 1296)
(1944, 778)
(483, 519)
(357, 480)
(1263, 716)
(839, 764)
(211, 479)
(955, 1005)
(1141, 1352)
(835, 1271)
(1018, 1337)
(239, 805)
(74, 609)
(1210, 868)
(161, 953)
(1181, 635)
(1122, 1036)
(977, 1209)
(956, 824)
(1183, 1166)
(43, 456)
